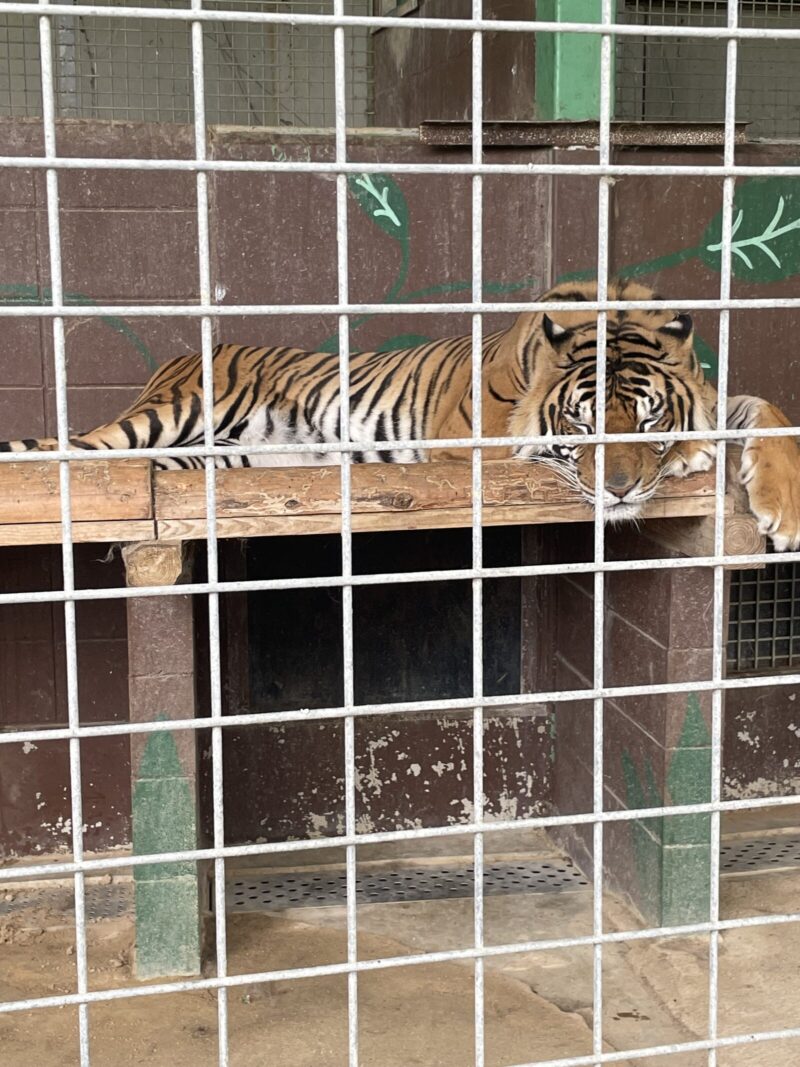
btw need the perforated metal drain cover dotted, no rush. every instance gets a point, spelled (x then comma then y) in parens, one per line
(318, 889)
(298, 890)
(759, 854)
(101, 901)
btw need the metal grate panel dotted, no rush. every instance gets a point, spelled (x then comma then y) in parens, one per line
(298, 890)
(101, 901)
(760, 854)
(320, 889)
(764, 619)
(683, 78)
(325, 889)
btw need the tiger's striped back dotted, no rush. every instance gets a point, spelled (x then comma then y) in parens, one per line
(288, 396)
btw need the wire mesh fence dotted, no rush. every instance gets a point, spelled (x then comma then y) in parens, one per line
(131, 69)
(764, 624)
(200, 88)
(683, 78)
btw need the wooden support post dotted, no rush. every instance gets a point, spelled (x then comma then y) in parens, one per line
(170, 901)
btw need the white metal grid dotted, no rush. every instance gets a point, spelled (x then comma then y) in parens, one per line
(197, 17)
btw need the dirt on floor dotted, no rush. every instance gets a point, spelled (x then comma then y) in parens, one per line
(537, 1004)
(420, 1015)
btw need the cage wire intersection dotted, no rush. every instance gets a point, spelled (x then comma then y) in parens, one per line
(197, 18)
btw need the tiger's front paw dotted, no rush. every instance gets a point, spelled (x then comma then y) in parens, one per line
(688, 457)
(771, 473)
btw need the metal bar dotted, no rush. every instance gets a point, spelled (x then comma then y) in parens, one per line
(340, 131)
(305, 845)
(719, 626)
(214, 647)
(485, 307)
(76, 456)
(598, 620)
(11, 736)
(425, 959)
(331, 167)
(476, 457)
(57, 596)
(292, 18)
(67, 556)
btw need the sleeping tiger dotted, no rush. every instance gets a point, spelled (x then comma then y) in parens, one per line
(539, 378)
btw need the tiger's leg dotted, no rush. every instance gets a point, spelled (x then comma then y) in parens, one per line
(770, 470)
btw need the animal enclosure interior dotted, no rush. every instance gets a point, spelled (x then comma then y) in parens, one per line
(373, 764)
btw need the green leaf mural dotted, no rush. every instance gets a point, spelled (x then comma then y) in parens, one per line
(709, 360)
(383, 200)
(765, 248)
(765, 244)
(32, 294)
(766, 237)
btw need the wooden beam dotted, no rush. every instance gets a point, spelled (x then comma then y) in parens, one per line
(695, 536)
(126, 501)
(396, 489)
(99, 490)
(433, 519)
(507, 133)
(49, 533)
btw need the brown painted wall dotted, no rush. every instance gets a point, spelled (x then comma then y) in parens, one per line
(427, 74)
(34, 777)
(131, 237)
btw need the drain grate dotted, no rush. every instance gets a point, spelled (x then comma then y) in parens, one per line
(759, 854)
(315, 889)
(101, 901)
(298, 890)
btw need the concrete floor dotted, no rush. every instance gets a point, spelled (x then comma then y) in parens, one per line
(655, 991)
(538, 1005)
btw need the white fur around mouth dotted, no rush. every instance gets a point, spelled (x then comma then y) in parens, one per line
(614, 513)
(622, 512)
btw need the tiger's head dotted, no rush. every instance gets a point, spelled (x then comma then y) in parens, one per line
(654, 381)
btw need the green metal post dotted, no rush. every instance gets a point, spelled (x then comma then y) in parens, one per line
(568, 64)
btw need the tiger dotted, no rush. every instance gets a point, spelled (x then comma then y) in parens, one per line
(539, 378)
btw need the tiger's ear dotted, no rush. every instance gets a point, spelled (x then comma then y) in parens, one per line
(554, 333)
(680, 327)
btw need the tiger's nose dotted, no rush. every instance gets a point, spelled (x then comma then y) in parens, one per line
(619, 483)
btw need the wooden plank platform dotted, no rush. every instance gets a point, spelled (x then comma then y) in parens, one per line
(126, 500)
(110, 501)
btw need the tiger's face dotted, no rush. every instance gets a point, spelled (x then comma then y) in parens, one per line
(653, 382)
